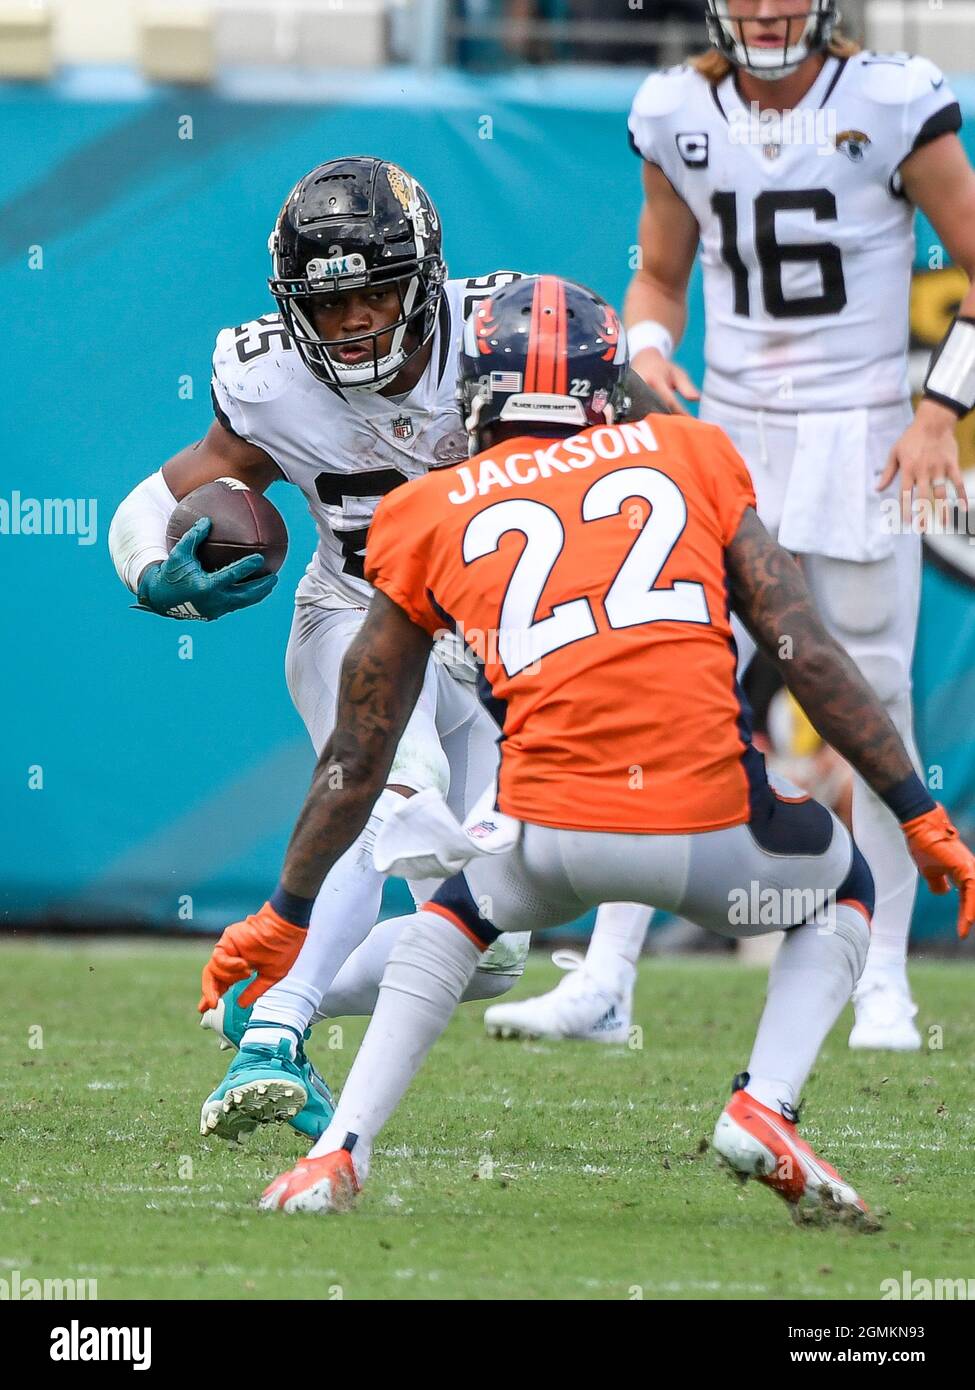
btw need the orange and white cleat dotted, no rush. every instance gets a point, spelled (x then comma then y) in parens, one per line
(756, 1142)
(324, 1184)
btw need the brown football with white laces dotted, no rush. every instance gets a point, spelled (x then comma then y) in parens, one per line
(243, 521)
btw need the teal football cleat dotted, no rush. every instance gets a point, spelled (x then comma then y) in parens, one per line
(263, 1085)
(229, 1021)
(319, 1108)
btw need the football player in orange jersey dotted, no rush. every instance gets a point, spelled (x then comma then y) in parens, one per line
(591, 563)
(806, 267)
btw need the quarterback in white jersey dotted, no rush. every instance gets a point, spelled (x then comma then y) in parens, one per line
(795, 162)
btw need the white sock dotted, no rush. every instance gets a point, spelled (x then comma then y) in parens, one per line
(427, 972)
(355, 989)
(895, 877)
(810, 982)
(344, 913)
(617, 940)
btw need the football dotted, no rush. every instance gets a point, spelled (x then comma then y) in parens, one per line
(244, 522)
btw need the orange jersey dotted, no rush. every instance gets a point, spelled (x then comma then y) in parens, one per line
(588, 576)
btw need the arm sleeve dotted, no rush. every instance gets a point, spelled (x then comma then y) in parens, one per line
(137, 535)
(398, 556)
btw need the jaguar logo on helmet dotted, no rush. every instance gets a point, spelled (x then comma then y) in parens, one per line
(406, 192)
(399, 185)
(730, 36)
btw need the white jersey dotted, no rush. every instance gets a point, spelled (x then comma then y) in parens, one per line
(807, 240)
(344, 452)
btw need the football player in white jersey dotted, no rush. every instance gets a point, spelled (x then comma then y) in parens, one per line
(347, 392)
(797, 161)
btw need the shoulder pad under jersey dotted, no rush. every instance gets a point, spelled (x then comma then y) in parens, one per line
(255, 361)
(896, 79)
(663, 92)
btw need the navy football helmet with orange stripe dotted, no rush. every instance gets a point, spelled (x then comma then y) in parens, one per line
(544, 354)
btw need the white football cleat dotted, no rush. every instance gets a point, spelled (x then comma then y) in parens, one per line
(578, 1007)
(885, 1015)
(756, 1142)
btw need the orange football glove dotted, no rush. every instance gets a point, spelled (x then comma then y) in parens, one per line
(264, 942)
(941, 856)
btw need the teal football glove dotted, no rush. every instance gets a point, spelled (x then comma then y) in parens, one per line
(181, 588)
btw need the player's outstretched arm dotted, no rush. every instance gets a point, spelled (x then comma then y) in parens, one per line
(177, 584)
(381, 678)
(655, 311)
(771, 597)
(939, 180)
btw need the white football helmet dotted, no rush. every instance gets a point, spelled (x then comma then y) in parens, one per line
(729, 37)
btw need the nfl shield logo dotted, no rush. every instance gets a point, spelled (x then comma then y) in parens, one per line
(403, 427)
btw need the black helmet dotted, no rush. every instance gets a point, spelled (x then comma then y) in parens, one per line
(542, 352)
(349, 224)
(728, 37)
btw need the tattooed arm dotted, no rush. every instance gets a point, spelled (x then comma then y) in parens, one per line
(643, 399)
(770, 596)
(381, 678)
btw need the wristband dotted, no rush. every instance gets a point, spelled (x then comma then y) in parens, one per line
(137, 535)
(293, 909)
(951, 377)
(649, 334)
(908, 798)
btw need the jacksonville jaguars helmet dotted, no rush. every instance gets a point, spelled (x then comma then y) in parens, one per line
(351, 224)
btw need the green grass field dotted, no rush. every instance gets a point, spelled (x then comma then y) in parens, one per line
(511, 1171)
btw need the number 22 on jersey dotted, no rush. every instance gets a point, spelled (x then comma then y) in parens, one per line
(633, 597)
